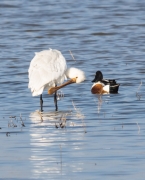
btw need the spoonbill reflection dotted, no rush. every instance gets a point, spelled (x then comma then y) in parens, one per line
(47, 70)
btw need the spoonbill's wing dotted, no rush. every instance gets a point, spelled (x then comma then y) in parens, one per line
(47, 68)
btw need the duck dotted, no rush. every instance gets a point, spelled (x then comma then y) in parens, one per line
(104, 86)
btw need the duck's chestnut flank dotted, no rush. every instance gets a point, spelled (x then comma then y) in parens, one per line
(98, 89)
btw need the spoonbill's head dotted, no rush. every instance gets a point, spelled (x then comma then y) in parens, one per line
(76, 75)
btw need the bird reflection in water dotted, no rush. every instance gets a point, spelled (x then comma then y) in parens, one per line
(99, 104)
(51, 134)
(53, 118)
(101, 99)
(60, 119)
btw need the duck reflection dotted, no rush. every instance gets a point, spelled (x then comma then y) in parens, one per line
(99, 104)
(101, 99)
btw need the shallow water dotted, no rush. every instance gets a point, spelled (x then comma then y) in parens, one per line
(102, 137)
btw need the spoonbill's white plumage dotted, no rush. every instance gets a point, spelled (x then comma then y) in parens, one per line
(47, 70)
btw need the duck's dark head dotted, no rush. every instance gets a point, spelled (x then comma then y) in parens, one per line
(98, 76)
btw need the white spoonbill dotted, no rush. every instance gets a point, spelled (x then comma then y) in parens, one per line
(47, 70)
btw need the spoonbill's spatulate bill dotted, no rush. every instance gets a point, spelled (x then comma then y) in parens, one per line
(48, 70)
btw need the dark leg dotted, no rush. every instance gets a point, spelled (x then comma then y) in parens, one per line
(41, 103)
(55, 101)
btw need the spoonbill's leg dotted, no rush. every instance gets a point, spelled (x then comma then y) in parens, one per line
(55, 100)
(41, 103)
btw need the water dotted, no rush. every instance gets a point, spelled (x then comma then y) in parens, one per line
(104, 137)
